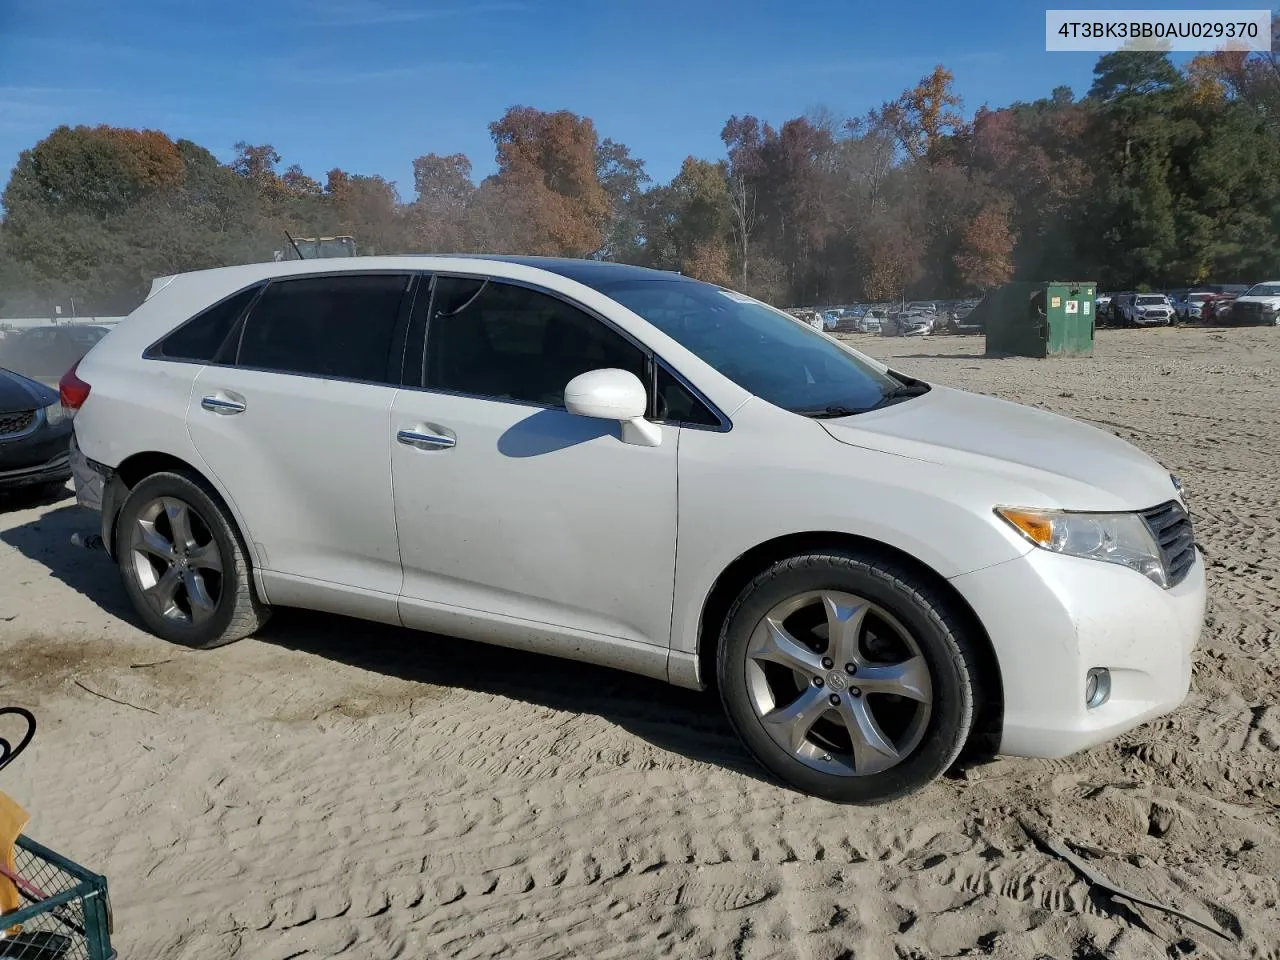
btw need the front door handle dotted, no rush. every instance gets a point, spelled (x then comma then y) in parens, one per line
(427, 437)
(222, 404)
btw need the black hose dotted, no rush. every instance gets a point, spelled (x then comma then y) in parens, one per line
(10, 753)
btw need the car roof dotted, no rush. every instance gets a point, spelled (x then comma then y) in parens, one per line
(589, 272)
(592, 273)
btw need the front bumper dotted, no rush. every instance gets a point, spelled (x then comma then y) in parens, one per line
(39, 457)
(1051, 618)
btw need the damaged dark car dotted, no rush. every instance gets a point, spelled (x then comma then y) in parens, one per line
(35, 436)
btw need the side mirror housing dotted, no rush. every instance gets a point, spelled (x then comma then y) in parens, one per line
(612, 394)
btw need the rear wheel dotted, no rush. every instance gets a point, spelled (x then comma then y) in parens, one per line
(847, 676)
(183, 565)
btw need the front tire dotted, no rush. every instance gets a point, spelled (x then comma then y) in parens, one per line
(183, 564)
(847, 676)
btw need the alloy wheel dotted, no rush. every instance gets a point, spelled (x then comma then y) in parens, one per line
(177, 561)
(839, 683)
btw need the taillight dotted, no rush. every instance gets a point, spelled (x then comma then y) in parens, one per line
(72, 391)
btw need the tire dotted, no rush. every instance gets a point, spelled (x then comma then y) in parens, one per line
(905, 624)
(195, 588)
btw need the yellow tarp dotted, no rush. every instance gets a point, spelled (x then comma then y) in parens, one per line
(13, 819)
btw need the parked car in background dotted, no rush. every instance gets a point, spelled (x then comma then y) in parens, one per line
(1150, 309)
(47, 352)
(1121, 303)
(1260, 304)
(35, 434)
(1191, 309)
(1220, 307)
(872, 321)
(1102, 307)
(618, 465)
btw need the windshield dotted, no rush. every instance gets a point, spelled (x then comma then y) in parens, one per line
(761, 349)
(1199, 297)
(1264, 290)
(1150, 301)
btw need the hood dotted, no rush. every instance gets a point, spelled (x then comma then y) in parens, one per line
(1069, 464)
(1265, 301)
(20, 393)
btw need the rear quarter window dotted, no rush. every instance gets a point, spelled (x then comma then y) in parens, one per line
(200, 338)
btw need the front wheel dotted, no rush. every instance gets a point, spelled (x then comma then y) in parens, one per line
(183, 565)
(847, 676)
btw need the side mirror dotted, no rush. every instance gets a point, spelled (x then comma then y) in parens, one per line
(612, 394)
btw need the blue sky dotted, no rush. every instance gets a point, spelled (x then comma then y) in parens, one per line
(367, 85)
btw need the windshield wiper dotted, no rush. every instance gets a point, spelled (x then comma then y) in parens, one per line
(835, 410)
(897, 394)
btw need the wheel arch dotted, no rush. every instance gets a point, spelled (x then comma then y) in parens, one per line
(984, 737)
(136, 468)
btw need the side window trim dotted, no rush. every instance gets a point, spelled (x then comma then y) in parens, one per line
(400, 335)
(652, 360)
(390, 377)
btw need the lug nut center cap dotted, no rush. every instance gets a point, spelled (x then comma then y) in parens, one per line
(836, 680)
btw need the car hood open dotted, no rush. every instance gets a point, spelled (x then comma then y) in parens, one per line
(1070, 464)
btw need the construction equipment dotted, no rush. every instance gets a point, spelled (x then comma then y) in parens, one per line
(317, 248)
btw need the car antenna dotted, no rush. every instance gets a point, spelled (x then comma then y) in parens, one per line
(294, 244)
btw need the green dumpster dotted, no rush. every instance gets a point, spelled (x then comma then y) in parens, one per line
(1028, 319)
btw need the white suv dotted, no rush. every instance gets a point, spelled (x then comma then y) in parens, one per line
(634, 468)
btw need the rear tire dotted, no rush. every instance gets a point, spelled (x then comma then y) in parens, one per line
(848, 676)
(183, 564)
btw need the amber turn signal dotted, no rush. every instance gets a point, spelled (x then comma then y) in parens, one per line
(1034, 525)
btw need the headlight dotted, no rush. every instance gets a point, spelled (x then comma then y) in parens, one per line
(1121, 538)
(54, 414)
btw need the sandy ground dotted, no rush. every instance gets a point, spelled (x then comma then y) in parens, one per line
(335, 788)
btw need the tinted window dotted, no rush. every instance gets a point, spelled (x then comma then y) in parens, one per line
(200, 337)
(761, 349)
(676, 404)
(325, 326)
(507, 342)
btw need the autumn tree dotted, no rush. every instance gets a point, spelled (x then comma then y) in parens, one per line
(366, 207)
(623, 179)
(924, 116)
(548, 181)
(689, 225)
(743, 138)
(437, 218)
(985, 257)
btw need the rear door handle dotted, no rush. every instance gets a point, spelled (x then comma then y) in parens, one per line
(222, 404)
(427, 437)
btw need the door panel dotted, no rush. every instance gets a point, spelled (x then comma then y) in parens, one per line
(296, 431)
(307, 462)
(533, 514)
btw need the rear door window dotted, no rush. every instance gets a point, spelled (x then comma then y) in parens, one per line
(342, 327)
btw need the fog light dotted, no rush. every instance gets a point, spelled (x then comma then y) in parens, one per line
(1097, 687)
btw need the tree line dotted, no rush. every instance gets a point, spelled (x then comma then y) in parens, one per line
(1157, 177)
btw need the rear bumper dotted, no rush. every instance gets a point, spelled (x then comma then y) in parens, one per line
(1051, 618)
(100, 489)
(89, 478)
